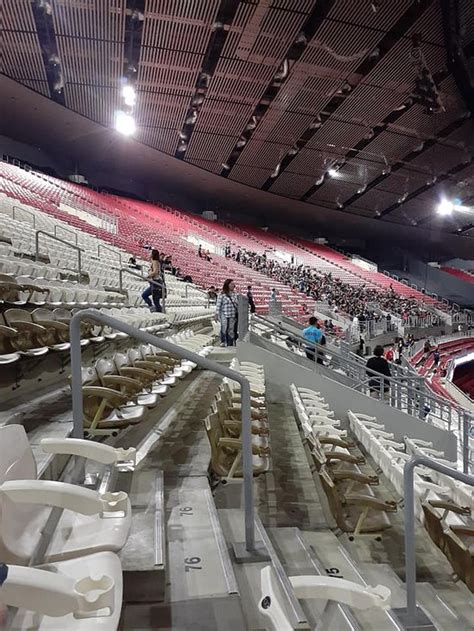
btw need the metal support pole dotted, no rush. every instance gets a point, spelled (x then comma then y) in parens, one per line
(251, 551)
(412, 614)
(466, 426)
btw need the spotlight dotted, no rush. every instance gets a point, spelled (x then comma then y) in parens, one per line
(129, 95)
(125, 123)
(333, 172)
(445, 207)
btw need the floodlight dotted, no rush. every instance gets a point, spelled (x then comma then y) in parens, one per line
(125, 123)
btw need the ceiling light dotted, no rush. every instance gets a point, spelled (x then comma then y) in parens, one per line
(182, 147)
(192, 118)
(445, 207)
(225, 166)
(125, 123)
(241, 142)
(333, 172)
(276, 171)
(129, 95)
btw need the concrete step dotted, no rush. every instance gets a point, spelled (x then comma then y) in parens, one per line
(144, 555)
(200, 565)
(337, 562)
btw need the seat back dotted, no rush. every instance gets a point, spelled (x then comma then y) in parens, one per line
(20, 524)
(105, 367)
(17, 315)
(120, 360)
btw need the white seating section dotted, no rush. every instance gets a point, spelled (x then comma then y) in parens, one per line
(83, 580)
(223, 424)
(349, 489)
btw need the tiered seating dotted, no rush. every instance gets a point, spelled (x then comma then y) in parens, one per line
(138, 224)
(349, 489)
(442, 504)
(462, 274)
(83, 579)
(118, 392)
(223, 425)
(425, 364)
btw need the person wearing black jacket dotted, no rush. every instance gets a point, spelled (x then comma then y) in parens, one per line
(250, 299)
(379, 364)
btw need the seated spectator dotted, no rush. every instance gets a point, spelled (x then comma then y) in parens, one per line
(212, 293)
(132, 262)
(378, 364)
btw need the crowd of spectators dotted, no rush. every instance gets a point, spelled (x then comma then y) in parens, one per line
(364, 302)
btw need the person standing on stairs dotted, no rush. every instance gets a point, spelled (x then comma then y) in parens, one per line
(156, 292)
(226, 313)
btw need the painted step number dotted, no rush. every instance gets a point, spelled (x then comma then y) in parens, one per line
(191, 564)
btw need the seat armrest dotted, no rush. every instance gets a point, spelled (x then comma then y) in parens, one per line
(369, 501)
(20, 325)
(450, 506)
(53, 324)
(54, 593)
(340, 455)
(115, 397)
(64, 495)
(335, 440)
(99, 452)
(8, 331)
(357, 476)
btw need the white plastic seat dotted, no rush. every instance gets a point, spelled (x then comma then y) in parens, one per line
(91, 522)
(77, 595)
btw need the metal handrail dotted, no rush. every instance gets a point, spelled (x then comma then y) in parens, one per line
(203, 362)
(407, 393)
(24, 210)
(105, 247)
(73, 232)
(408, 484)
(70, 245)
(127, 270)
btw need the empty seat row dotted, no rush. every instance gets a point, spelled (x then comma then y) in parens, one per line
(442, 504)
(224, 425)
(348, 488)
(118, 392)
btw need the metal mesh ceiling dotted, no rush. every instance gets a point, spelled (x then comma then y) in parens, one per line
(291, 88)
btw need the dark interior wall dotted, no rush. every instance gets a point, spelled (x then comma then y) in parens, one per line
(35, 156)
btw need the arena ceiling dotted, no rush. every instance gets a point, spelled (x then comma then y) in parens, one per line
(356, 106)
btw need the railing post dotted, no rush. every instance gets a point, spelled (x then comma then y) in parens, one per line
(250, 549)
(412, 614)
(70, 245)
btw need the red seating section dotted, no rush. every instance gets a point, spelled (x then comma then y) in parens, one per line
(466, 275)
(447, 352)
(141, 223)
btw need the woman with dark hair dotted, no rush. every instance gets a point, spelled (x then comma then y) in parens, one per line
(226, 313)
(379, 388)
(154, 290)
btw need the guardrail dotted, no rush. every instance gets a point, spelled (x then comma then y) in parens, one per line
(101, 246)
(73, 232)
(406, 392)
(412, 613)
(70, 245)
(24, 210)
(251, 549)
